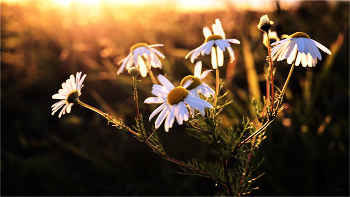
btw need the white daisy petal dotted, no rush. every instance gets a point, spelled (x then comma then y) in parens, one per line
(215, 29)
(58, 96)
(156, 111)
(221, 30)
(142, 67)
(198, 69)
(204, 74)
(165, 82)
(232, 54)
(220, 44)
(157, 52)
(183, 112)
(206, 32)
(220, 57)
(154, 100)
(162, 116)
(234, 41)
(323, 48)
(209, 46)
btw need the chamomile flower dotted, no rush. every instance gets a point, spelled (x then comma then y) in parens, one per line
(197, 86)
(299, 47)
(135, 58)
(70, 92)
(216, 44)
(174, 100)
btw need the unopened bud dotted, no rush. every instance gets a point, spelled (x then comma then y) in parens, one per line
(265, 23)
(133, 71)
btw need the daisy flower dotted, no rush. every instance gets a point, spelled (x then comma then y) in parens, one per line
(217, 39)
(174, 102)
(299, 47)
(135, 58)
(69, 93)
(197, 86)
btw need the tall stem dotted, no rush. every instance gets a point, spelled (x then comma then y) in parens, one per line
(91, 108)
(154, 81)
(227, 177)
(271, 68)
(285, 84)
(217, 85)
(105, 115)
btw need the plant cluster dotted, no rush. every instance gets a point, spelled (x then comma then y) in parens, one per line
(197, 105)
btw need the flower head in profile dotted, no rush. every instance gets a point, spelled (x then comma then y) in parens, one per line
(215, 44)
(70, 92)
(299, 47)
(197, 86)
(135, 59)
(174, 100)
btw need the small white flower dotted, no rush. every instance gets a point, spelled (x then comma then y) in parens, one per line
(69, 93)
(198, 86)
(135, 58)
(300, 46)
(217, 39)
(174, 102)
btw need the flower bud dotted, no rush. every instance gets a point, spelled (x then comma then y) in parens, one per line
(265, 23)
(133, 71)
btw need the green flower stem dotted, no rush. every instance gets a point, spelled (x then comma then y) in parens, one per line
(105, 115)
(136, 99)
(285, 85)
(271, 68)
(152, 77)
(91, 108)
(217, 85)
(227, 177)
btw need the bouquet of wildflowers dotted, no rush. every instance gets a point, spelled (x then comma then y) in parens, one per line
(197, 106)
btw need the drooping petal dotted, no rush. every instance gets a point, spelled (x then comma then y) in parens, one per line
(162, 116)
(220, 44)
(142, 66)
(156, 111)
(157, 52)
(232, 54)
(323, 48)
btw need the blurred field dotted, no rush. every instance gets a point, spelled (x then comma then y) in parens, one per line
(42, 43)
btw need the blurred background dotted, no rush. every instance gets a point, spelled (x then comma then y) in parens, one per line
(43, 42)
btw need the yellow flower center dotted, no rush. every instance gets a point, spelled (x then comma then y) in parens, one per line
(177, 95)
(195, 82)
(300, 35)
(72, 97)
(137, 46)
(213, 37)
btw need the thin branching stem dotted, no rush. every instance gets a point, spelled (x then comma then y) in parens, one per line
(267, 123)
(227, 177)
